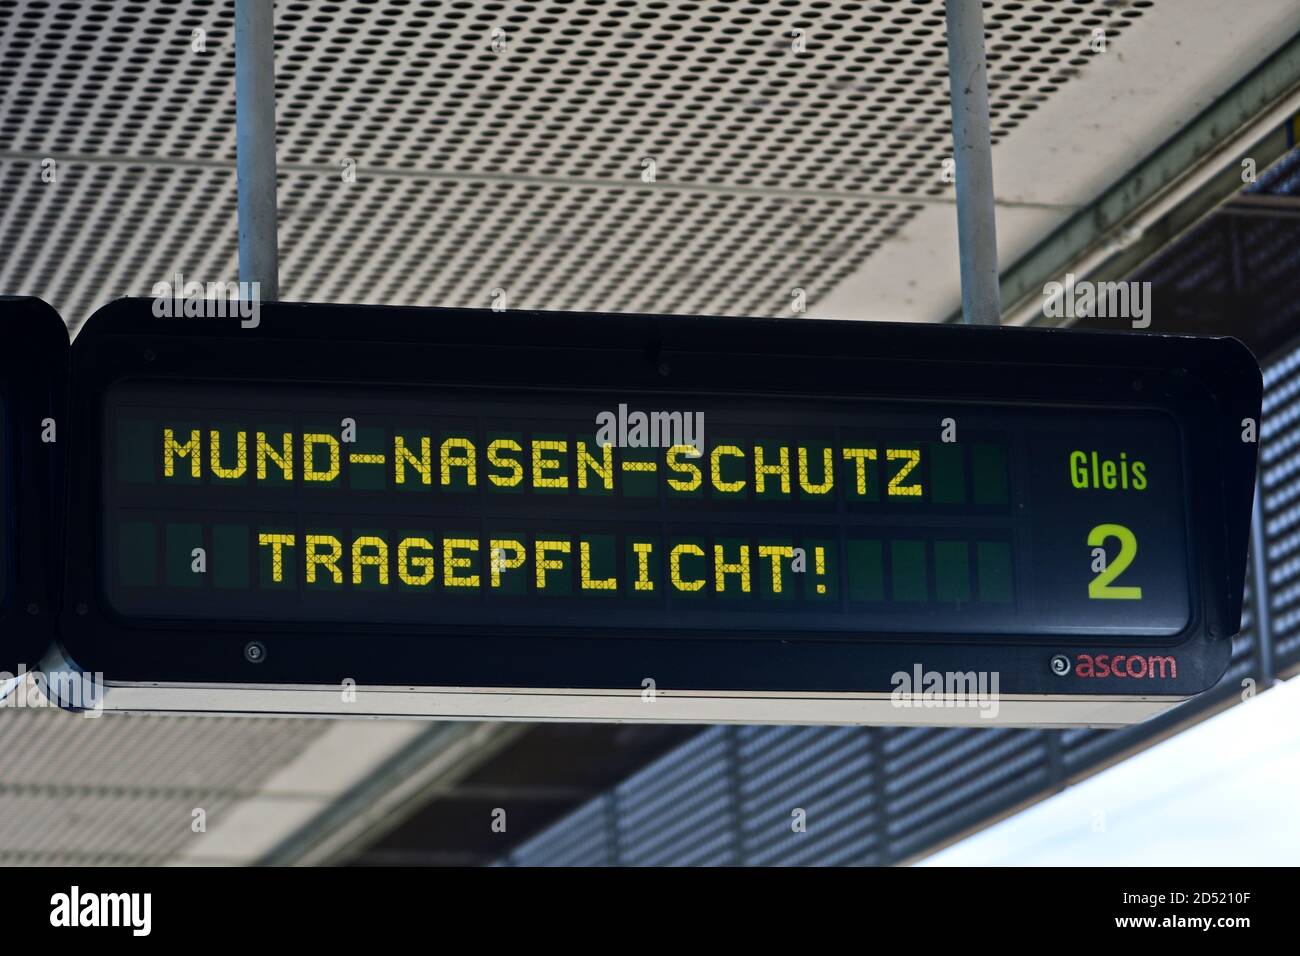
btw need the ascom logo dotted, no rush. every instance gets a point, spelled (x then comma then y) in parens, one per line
(1125, 665)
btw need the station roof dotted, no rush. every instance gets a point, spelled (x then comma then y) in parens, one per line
(793, 145)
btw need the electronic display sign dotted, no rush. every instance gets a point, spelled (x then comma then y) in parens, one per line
(420, 506)
(33, 378)
(576, 504)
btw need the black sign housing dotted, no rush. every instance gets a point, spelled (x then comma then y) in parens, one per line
(33, 382)
(193, 437)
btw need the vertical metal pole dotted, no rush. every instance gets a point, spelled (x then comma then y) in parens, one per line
(735, 797)
(613, 842)
(968, 85)
(255, 144)
(1263, 591)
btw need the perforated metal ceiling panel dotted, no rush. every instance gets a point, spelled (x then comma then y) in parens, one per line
(519, 168)
(1280, 488)
(123, 789)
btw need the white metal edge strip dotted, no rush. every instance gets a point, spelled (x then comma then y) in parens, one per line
(712, 707)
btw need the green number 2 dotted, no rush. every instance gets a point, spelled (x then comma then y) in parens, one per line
(1100, 586)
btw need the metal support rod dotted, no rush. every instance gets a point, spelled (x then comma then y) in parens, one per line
(255, 144)
(1259, 568)
(977, 238)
